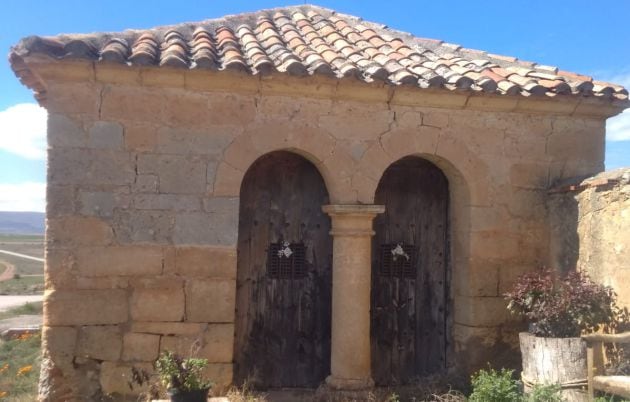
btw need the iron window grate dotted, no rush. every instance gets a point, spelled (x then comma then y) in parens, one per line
(286, 265)
(398, 260)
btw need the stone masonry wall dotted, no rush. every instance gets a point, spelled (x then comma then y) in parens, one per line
(144, 173)
(591, 229)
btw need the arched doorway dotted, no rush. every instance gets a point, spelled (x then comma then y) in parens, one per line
(410, 275)
(283, 275)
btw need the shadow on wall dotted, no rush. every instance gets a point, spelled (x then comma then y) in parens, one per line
(564, 212)
(589, 227)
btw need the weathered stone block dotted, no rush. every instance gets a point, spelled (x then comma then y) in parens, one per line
(215, 344)
(115, 74)
(227, 181)
(119, 261)
(75, 230)
(226, 108)
(495, 245)
(101, 282)
(221, 375)
(102, 203)
(157, 282)
(168, 328)
(106, 134)
(67, 165)
(480, 311)
(206, 262)
(158, 304)
(353, 120)
(132, 103)
(85, 307)
(59, 269)
(435, 119)
(145, 183)
(162, 78)
(115, 378)
(172, 202)
(100, 342)
(141, 136)
(111, 167)
(59, 343)
(210, 300)
(205, 228)
(208, 140)
(73, 98)
(177, 174)
(60, 200)
(90, 166)
(477, 278)
(529, 175)
(139, 226)
(64, 131)
(140, 347)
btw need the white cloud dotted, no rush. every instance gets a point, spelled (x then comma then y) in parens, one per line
(28, 196)
(618, 127)
(23, 130)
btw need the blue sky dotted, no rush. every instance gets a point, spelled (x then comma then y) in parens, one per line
(577, 35)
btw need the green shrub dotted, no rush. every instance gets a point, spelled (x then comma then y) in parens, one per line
(544, 393)
(609, 399)
(494, 386)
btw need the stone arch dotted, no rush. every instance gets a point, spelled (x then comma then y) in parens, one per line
(283, 303)
(315, 145)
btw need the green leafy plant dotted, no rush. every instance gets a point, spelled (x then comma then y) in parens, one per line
(609, 399)
(176, 372)
(544, 393)
(494, 386)
(562, 307)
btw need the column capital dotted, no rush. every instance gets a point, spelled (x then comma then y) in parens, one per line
(352, 220)
(353, 209)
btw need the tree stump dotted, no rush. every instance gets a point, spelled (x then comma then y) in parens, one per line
(560, 361)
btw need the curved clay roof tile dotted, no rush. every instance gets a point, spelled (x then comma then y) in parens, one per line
(308, 39)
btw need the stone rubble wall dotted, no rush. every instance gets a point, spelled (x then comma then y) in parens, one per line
(591, 229)
(142, 216)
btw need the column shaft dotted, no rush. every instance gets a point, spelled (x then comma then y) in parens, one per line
(352, 269)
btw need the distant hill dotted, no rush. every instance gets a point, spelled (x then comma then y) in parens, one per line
(22, 222)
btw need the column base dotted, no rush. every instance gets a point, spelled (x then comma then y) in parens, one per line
(349, 384)
(343, 390)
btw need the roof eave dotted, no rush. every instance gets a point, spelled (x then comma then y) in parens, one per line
(37, 71)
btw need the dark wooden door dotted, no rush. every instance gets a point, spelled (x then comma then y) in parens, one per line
(409, 283)
(284, 275)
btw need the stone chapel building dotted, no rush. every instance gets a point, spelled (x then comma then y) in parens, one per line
(309, 197)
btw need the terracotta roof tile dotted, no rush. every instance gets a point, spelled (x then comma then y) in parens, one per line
(304, 40)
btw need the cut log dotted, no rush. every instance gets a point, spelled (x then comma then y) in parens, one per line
(560, 361)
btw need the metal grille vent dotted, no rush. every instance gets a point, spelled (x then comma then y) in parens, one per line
(398, 260)
(286, 261)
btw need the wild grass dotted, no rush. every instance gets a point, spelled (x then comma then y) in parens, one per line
(34, 308)
(20, 361)
(21, 238)
(22, 285)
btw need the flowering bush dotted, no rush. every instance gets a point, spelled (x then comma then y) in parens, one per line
(562, 307)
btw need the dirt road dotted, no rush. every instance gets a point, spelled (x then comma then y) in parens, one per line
(9, 271)
(28, 257)
(7, 302)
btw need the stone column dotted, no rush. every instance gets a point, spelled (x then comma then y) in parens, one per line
(352, 269)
